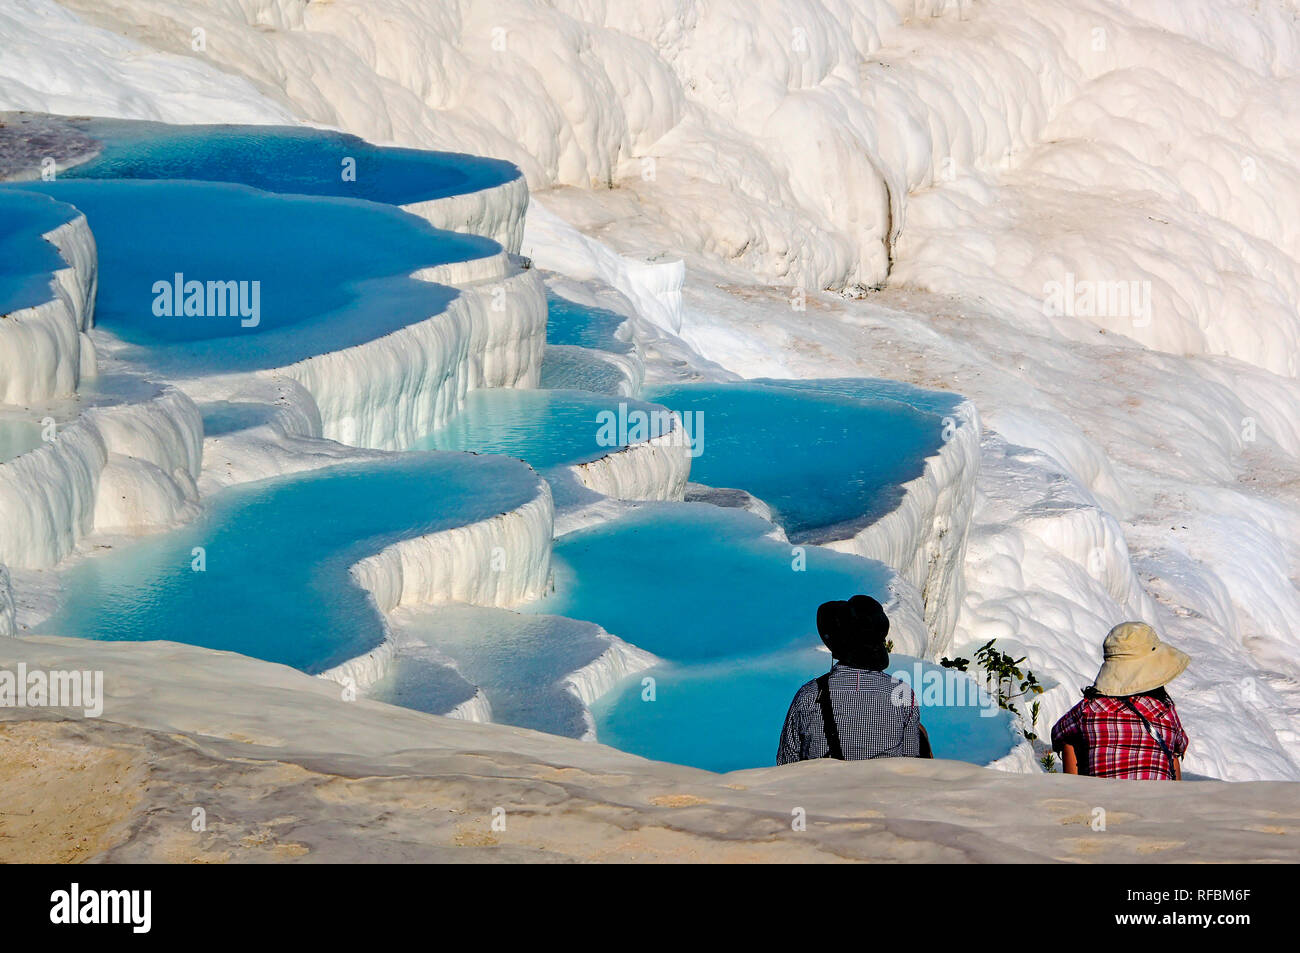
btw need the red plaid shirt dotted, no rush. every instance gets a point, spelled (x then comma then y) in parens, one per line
(1110, 741)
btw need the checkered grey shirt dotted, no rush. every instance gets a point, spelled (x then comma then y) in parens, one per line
(876, 714)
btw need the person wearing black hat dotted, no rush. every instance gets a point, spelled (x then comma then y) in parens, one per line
(855, 711)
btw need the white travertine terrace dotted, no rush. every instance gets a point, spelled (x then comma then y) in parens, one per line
(45, 350)
(119, 468)
(458, 565)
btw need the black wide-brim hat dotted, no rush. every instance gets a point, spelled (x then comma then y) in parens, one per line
(855, 631)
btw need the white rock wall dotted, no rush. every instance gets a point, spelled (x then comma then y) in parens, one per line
(44, 350)
(656, 469)
(386, 393)
(121, 468)
(499, 562)
(496, 213)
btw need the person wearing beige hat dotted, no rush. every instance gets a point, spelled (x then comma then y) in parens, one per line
(1126, 726)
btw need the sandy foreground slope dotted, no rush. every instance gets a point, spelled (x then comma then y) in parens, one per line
(286, 770)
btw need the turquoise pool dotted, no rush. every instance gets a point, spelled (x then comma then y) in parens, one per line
(577, 368)
(722, 604)
(27, 261)
(818, 455)
(545, 427)
(689, 581)
(568, 322)
(312, 294)
(727, 715)
(276, 584)
(286, 159)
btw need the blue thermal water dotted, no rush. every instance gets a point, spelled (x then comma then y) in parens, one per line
(689, 581)
(223, 417)
(285, 159)
(732, 613)
(576, 336)
(330, 273)
(817, 457)
(545, 427)
(577, 368)
(727, 715)
(276, 584)
(17, 436)
(27, 260)
(519, 662)
(568, 322)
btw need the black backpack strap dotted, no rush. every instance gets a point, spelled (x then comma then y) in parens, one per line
(1154, 734)
(829, 726)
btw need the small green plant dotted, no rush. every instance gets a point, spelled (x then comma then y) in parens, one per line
(1007, 681)
(1032, 733)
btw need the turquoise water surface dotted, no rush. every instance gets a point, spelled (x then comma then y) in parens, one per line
(545, 427)
(689, 581)
(727, 715)
(576, 337)
(314, 293)
(818, 456)
(286, 159)
(577, 368)
(275, 583)
(569, 322)
(27, 260)
(734, 621)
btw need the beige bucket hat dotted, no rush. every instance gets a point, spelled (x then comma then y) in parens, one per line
(1137, 661)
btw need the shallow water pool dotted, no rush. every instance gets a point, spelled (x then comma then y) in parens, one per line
(578, 368)
(275, 583)
(582, 325)
(547, 428)
(818, 457)
(722, 604)
(689, 581)
(519, 662)
(27, 260)
(286, 159)
(324, 274)
(17, 436)
(727, 715)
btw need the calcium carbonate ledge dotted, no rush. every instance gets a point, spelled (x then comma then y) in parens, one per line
(45, 351)
(599, 676)
(118, 468)
(499, 562)
(389, 392)
(497, 212)
(476, 708)
(655, 469)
